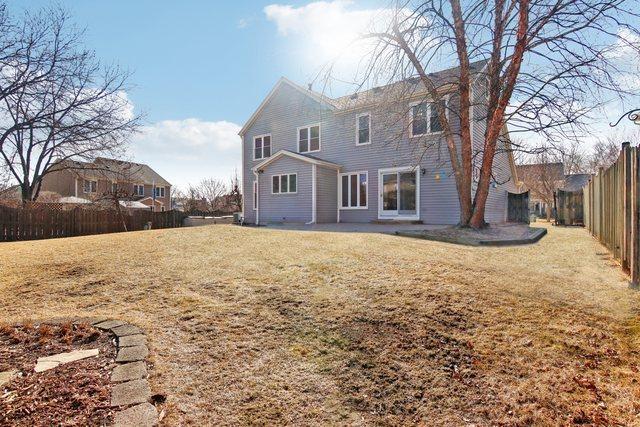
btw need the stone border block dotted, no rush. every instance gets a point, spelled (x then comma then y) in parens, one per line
(129, 371)
(125, 330)
(132, 340)
(132, 354)
(130, 393)
(142, 415)
(109, 324)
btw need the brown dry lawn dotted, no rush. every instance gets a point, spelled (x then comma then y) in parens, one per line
(260, 326)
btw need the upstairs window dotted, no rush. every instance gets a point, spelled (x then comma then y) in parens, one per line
(261, 147)
(309, 139)
(286, 183)
(363, 129)
(353, 190)
(424, 118)
(90, 186)
(138, 190)
(114, 187)
(159, 191)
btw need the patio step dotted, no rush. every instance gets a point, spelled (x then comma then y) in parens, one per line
(396, 221)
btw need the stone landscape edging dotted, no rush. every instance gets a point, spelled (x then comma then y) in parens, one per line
(131, 393)
(536, 234)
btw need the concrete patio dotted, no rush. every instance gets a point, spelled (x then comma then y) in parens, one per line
(368, 227)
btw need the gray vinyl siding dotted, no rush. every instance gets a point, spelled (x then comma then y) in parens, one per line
(286, 207)
(326, 195)
(390, 147)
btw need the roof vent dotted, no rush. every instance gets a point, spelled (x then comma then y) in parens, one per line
(310, 86)
(354, 96)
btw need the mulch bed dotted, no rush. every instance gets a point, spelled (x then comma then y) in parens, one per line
(75, 393)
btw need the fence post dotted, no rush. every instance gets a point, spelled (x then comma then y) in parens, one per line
(635, 212)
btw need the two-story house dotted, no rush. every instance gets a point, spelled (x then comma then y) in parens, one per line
(102, 178)
(377, 155)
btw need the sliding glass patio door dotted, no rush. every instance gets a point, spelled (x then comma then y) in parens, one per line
(399, 193)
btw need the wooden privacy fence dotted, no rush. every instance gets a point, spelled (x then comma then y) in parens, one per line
(41, 222)
(611, 209)
(569, 206)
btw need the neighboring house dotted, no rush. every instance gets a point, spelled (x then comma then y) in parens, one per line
(378, 155)
(101, 179)
(543, 180)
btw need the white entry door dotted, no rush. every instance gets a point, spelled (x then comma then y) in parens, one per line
(399, 193)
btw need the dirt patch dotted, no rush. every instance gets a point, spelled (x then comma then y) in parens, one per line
(75, 393)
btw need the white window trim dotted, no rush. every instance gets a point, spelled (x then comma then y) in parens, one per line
(255, 194)
(358, 129)
(383, 216)
(349, 208)
(280, 175)
(84, 189)
(157, 188)
(253, 146)
(137, 193)
(413, 104)
(309, 140)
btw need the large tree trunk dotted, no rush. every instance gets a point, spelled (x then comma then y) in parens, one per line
(27, 193)
(496, 118)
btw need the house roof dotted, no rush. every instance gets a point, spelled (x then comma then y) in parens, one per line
(328, 102)
(406, 88)
(118, 170)
(73, 200)
(132, 204)
(576, 181)
(298, 156)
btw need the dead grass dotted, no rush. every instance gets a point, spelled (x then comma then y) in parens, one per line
(258, 326)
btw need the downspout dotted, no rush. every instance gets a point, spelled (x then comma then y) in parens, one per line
(257, 175)
(338, 195)
(313, 194)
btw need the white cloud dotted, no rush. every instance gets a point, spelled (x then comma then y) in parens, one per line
(323, 32)
(243, 23)
(625, 55)
(185, 151)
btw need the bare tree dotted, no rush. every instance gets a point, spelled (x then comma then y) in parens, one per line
(177, 195)
(62, 103)
(213, 191)
(542, 179)
(122, 176)
(543, 67)
(235, 194)
(193, 199)
(607, 150)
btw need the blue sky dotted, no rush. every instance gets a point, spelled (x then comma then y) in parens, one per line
(202, 67)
